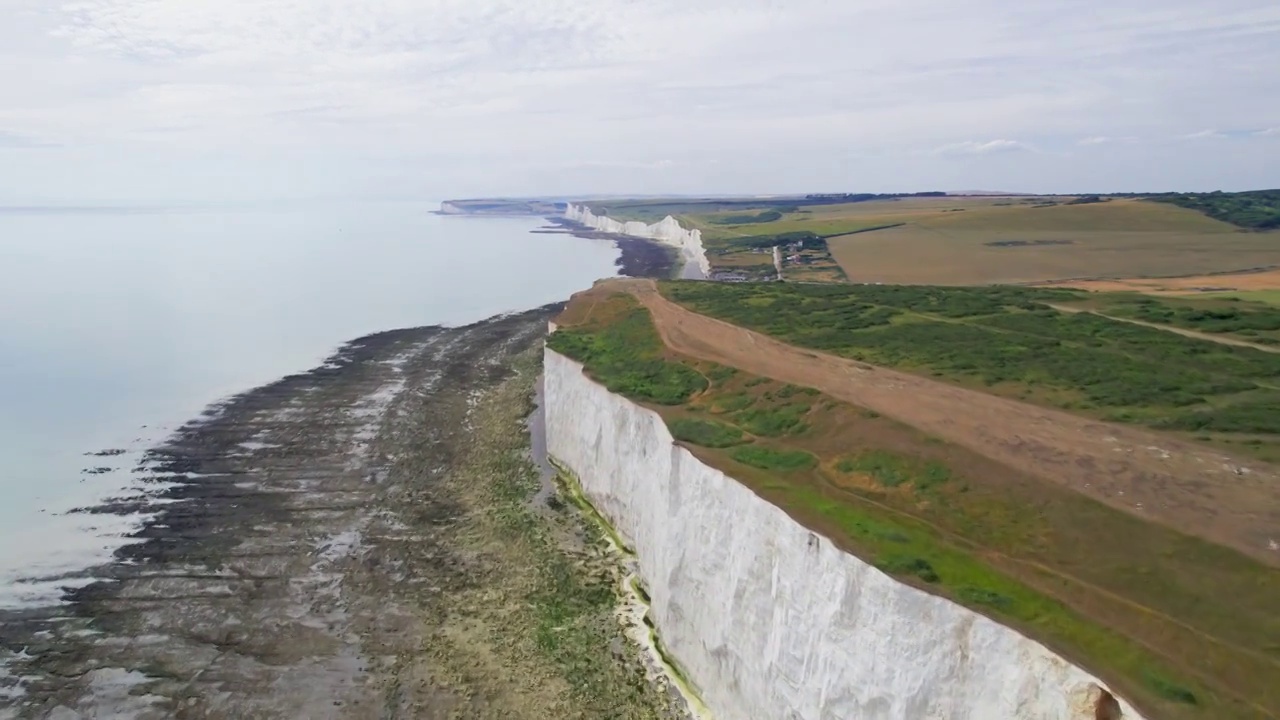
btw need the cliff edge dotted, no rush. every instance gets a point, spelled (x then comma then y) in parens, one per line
(768, 619)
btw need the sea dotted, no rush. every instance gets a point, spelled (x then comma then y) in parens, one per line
(118, 325)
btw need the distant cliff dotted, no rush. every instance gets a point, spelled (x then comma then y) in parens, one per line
(501, 206)
(667, 230)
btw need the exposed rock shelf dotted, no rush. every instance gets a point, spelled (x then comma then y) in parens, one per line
(769, 620)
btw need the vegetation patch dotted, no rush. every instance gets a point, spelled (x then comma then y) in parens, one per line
(891, 469)
(1011, 340)
(905, 565)
(766, 458)
(773, 421)
(626, 355)
(706, 433)
(1170, 690)
(1131, 599)
(763, 217)
(1258, 322)
(1254, 209)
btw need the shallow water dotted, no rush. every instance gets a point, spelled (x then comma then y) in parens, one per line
(117, 327)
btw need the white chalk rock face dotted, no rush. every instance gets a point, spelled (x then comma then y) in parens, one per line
(770, 621)
(667, 231)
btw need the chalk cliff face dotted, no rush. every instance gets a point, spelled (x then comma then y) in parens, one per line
(668, 231)
(769, 620)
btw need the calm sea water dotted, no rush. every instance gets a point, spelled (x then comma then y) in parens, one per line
(117, 327)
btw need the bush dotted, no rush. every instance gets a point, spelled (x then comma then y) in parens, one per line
(886, 468)
(706, 433)
(626, 356)
(769, 459)
(981, 596)
(904, 565)
(892, 470)
(1170, 690)
(773, 422)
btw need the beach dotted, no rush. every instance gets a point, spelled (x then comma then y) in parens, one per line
(356, 541)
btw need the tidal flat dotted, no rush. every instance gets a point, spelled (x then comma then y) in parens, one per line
(364, 540)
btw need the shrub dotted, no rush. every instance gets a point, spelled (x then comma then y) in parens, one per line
(982, 596)
(769, 459)
(905, 565)
(626, 356)
(773, 422)
(706, 433)
(1170, 690)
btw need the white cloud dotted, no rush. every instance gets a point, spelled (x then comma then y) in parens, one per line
(774, 91)
(1269, 132)
(989, 147)
(1203, 134)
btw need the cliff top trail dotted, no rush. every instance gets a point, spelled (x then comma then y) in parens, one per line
(1018, 512)
(1191, 488)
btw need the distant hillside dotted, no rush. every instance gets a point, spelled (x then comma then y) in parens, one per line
(1254, 209)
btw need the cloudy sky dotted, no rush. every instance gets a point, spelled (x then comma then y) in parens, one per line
(163, 101)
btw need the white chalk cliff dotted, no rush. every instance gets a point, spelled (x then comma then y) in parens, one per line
(772, 622)
(667, 231)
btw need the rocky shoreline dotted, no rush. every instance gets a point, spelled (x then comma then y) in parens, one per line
(639, 257)
(358, 541)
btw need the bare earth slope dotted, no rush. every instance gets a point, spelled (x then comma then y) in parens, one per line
(1185, 486)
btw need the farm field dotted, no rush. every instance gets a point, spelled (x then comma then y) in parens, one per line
(1261, 285)
(1018, 513)
(968, 240)
(1024, 244)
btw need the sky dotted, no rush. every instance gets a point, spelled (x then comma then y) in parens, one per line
(157, 102)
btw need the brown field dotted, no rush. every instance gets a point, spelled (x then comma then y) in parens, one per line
(1248, 281)
(1120, 238)
(1110, 520)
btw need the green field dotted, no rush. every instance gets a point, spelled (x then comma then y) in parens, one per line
(1008, 341)
(1183, 628)
(1230, 315)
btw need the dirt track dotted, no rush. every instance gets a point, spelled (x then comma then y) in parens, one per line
(1194, 489)
(1220, 339)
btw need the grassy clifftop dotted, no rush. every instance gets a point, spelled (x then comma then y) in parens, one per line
(1011, 341)
(1182, 627)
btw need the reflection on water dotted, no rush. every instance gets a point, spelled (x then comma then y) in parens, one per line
(115, 327)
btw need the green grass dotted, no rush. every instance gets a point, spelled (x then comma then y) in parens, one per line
(762, 217)
(626, 356)
(706, 433)
(1254, 209)
(773, 421)
(1009, 339)
(974, 532)
(770, 459)
(1254, 321)
(893, 469)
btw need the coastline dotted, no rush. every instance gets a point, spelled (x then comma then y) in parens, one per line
(638, 257)
(354, 541)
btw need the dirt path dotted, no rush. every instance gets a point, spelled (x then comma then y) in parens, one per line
(1220, 339)
(1194, 489)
